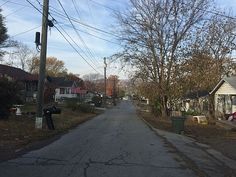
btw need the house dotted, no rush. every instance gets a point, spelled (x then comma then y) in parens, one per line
(196, 101)
(225, 97)
(29, 81)
(65, 88)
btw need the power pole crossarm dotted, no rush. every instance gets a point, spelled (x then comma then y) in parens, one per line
(43, 53)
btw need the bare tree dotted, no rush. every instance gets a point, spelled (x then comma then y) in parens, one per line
(92, 77)
(216, 39)
(156, 35)
(24, 55)
(21, 56)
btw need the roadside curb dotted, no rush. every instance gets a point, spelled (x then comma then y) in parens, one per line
(172, 137)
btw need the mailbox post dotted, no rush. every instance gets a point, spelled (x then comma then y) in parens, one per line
(48, 116)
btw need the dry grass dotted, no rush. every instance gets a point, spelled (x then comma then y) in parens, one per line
(217, 137)
(19, 131)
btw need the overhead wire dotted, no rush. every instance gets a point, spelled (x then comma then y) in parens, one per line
(107, 40)
(34, 6)
(102, 5)
(90, 11)
(71, 39)
(76, 9)
(26, 31)
(78, 13)
(81, 39)
(4, 3)
(66, 39)
(84, 24)
(16, 3)
(111, 34)
(75, 49)
(17, 10)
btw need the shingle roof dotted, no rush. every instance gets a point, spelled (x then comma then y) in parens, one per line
(61, 82)
(231, 81)
(16, 73)
(197, 94)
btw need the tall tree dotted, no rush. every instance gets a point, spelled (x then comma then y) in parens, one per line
(54, 67)
(156, 34)
(3, 34)
(216, 39)
(21, 56)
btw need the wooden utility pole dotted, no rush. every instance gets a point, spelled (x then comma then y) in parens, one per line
(114, 91)
(105, 81)
(41, 78)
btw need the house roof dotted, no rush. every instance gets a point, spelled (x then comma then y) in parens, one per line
(16, 73)
(197, 94)
(61, 82)
(230, 80)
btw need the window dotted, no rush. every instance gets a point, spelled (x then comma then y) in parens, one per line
(67, 90)
(62, 90)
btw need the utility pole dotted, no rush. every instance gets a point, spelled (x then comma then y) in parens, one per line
(41, 79)
(105, 81)
(114, 91)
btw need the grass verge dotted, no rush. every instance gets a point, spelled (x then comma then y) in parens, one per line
(218, 138)
(18, 132)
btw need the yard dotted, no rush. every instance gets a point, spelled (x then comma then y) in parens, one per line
(19, 133)
(217, 137)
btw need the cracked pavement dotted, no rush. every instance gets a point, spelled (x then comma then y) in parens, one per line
(114, 144)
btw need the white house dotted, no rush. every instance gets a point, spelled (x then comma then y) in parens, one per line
(225, 96)
(65, 88)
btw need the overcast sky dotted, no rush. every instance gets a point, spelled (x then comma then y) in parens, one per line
(20, 17)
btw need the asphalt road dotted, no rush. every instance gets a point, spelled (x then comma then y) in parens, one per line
(114, 144)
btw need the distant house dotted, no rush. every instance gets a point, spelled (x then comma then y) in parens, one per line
(28, 80)
(196, 101)
(65, 88)
(225, 97)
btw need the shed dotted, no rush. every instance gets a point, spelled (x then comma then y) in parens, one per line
(225, 96)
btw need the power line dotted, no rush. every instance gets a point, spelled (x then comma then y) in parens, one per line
(79, 22)
(93, 28)
(17, 10)
(86, 25)
(34, 6)
(81, 39)
(4, 3)
(98, 37)
(75, 49)
(106, 7)
(72, 40)
(26, 31)
(63, 35)
(90, 11)
(76, 9)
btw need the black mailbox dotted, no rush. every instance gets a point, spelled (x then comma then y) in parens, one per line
(52, 110)
(48, 115)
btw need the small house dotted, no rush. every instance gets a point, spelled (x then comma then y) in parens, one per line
(196, 101)
(29, 81)
(65, 88)
(225, 97)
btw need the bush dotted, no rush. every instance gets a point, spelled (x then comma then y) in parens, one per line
(191, 112)
(9, 95)
(97, 100)
(72, 103)
(156, 107)
(85, 107)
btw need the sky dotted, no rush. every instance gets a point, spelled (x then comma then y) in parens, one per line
(21, 16)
